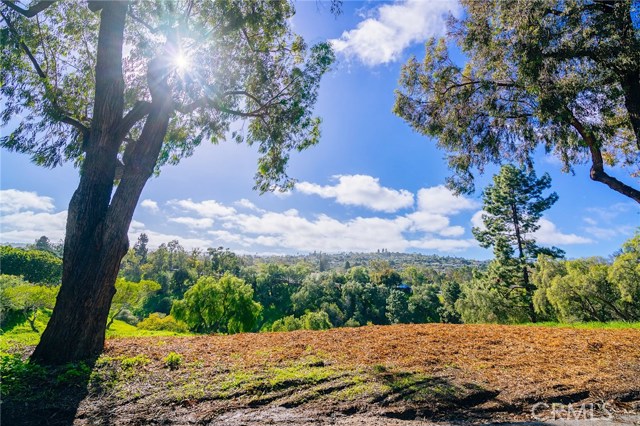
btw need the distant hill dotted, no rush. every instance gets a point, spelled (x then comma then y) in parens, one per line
(397, 261)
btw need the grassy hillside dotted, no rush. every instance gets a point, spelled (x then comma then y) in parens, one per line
(432, 371)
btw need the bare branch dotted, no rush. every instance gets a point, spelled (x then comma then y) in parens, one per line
(32, 11)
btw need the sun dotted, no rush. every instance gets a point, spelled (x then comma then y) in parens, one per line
(181, 62)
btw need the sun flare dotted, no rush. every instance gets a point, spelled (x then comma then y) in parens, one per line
(181, 62)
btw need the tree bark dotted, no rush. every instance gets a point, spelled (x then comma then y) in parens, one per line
(525, 270)
(597, 172)
(96, 234)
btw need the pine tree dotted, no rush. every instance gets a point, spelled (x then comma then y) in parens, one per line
(513, 206)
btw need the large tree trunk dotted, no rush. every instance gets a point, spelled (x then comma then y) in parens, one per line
(97, 224)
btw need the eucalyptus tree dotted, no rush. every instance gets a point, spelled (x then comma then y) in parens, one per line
(561, 74)
(513, 206)
(122, 88)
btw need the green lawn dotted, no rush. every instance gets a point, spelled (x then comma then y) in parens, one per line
(588, 325)
(22, 335)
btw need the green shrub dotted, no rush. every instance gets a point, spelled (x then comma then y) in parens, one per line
(35, 266)
(16, 374)
(158, 321)
(74, 374)
(173, 360)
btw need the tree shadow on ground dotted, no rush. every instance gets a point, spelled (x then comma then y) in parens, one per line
(37, 395)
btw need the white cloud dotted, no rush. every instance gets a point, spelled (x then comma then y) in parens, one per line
(207, 208)
(549, 234)
(150, 205)
(382, 39)
(13, 200)
(248, 205)
(604, 224)
(440, 200)
(158, 238)
(361, 190)
(193, 222)
(26, 227)
(476, 220)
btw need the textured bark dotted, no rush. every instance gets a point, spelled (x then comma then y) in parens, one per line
(597, 172)
(97, 224)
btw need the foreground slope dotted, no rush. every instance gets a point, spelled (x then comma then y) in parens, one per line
(379, 373)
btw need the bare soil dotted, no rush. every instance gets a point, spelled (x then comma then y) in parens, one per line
(429, 374)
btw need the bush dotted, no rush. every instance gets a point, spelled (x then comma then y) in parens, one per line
(158, 321)
(34, 265)
(316, 321)
(173, 360)
(289, 323)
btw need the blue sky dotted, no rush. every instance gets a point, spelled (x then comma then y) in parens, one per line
(371, 183)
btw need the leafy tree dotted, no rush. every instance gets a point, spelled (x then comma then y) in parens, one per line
(424, 304)
(30, 299)
(397, 309)
(316, 321)
(582, 292)
(140, 247)
(556, 73)
(44, 244)
(77, 94)
(222, 305)
(35, 266)
(288, 323)
(625, 274)
(514, 205)
(223, 261)
(450, 295)
(482, 302)
(316, 290)
(129, 295)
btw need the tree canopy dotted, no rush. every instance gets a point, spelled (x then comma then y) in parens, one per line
(220, 61)
(564, 75)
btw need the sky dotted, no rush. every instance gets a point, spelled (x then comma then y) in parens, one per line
(371, 182)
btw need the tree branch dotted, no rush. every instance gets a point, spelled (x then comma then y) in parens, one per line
(63, 116)
(597, 163)
(137, 113)
(470, 83)
(32, 11)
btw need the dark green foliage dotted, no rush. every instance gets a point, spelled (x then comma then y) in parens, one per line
(35, 266)
(564, 75)
(424, 304)
(397, 309)
(450, 295)
(513, 206)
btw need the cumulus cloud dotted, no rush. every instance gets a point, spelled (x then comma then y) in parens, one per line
(549, 234)
(207, 208)
(360, 190)
(244, 203)
(440, 200)
(25, 227)
(476, 220)
(151, 205)
(13, 200)
(192, 222)
(382, 38)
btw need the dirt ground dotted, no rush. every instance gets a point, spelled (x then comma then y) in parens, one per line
(432, 374)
